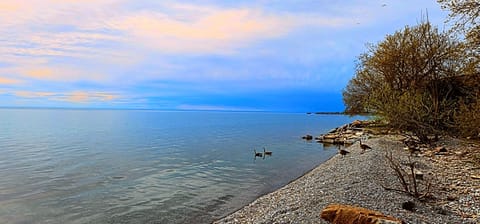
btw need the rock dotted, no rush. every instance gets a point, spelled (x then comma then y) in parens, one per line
(360, 133)
(346, 214)
(349, 141)
(409, 205)
(338, 141)
(451, 197)
(418, 175)
(328, 140)
(440, 149)
(330, 136)
(475, 176)
(307, 137)
(461, 153)
(357, 123)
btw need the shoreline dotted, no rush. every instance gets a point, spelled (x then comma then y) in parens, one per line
(357, 179)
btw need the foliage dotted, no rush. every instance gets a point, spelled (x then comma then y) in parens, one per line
(468, 118)
(466, 17)
(411, 79)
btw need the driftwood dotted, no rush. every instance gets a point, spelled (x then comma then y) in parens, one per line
(346, 214)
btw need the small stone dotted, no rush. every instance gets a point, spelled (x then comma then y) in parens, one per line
(451, 197)
(418, 175)
(409, 206)
(475, 177)
(440, 149)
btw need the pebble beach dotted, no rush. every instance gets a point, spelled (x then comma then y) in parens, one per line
(360, 178)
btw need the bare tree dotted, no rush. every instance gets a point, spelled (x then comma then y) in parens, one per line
(465, 12)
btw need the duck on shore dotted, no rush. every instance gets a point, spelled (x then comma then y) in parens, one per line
(364, 146)
(343, 152)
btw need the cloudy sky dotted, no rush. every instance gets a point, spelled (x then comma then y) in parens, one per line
(292, 56)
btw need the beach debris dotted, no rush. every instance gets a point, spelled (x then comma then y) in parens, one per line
(347, 214)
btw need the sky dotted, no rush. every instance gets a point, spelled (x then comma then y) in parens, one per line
(229, 55)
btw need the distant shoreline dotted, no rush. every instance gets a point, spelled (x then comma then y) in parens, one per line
(327, 113)
(339, 113)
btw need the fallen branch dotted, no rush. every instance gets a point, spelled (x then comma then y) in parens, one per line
(407, 179)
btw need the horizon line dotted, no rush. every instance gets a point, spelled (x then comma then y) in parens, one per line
(166, 110)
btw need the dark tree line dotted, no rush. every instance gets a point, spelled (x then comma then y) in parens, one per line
(423, 80)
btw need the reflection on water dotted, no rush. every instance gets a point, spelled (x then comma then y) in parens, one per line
(80, 166)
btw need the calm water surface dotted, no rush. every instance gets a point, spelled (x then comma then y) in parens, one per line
(98, 166)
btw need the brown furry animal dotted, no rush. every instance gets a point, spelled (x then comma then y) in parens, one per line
(346, 214)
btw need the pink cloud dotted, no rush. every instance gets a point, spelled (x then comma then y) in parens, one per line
(212, 30)
(86, 97)
(9, 81)
(60, 74)
(72, 97)
(32, 94)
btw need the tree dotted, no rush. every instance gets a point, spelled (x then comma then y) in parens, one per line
(411, 79)
(466, 12)
(466, 17)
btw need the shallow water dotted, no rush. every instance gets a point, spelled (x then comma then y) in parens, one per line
(125, 166)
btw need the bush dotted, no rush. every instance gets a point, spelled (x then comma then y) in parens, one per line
(468, 120)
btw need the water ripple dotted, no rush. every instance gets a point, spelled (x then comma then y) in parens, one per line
(140, 167)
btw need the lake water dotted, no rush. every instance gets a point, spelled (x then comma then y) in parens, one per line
(126, 166)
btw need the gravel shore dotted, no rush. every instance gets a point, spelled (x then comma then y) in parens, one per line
(357, 179)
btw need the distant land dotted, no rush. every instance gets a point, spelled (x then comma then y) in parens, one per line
(325, 112)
